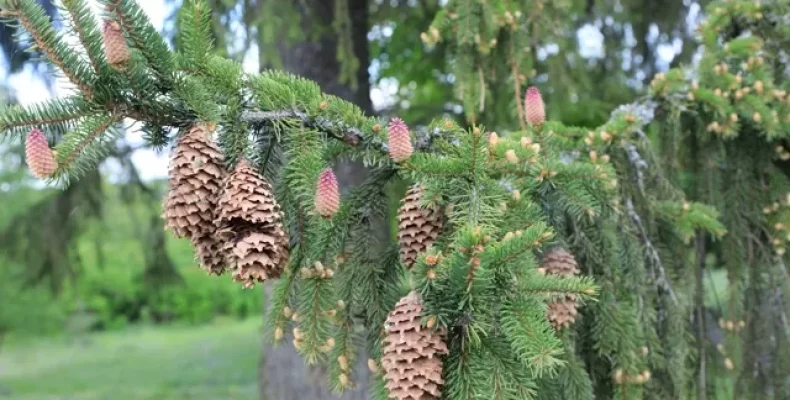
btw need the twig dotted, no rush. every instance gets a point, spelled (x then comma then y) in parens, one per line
(50, 53)
(348, 134)
(639, 164)
(652, 253)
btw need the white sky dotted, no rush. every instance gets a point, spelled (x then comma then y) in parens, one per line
(29, 89)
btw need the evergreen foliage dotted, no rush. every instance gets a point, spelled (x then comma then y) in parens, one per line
(600, 194)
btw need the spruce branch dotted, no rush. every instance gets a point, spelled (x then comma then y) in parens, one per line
(59, 115)
(652, 253)
(37, 23)
(144, 37)
(84, 25)
(84, 144)
(349, 135)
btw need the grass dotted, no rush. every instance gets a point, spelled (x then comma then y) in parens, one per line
(215, 361)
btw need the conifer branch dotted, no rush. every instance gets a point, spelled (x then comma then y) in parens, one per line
(98, 127)
(87, 32)
(652, 253)
(35, 21)
(60, 114)
(144, 37)
(349, 135)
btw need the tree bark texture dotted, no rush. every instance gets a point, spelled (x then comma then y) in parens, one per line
(283, 373)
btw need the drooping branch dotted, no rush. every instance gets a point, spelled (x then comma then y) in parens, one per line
(651, 251)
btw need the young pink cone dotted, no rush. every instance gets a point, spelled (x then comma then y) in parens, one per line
(534, 109)
(399, 140)
(115, 47)
(39, 156)
(327, 194)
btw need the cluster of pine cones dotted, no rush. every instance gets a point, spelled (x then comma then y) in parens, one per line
(233, 220)
(562, 312)
(411, 349)
(235, 224)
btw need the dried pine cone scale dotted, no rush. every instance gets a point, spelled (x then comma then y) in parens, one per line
(412, 367)
(208, 251)
(418, 227)
(562, 312)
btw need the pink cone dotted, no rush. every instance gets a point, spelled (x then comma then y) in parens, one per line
(115, 47)
(327, 194)
(534, 109)
(39, 156)
(399, 140)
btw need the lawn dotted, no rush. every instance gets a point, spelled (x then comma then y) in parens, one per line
(215, 361)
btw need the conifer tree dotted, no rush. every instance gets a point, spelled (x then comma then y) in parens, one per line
(719, 129)
(726, 125)
(469, 291)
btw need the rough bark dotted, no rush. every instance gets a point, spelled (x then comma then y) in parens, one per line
(283, 373)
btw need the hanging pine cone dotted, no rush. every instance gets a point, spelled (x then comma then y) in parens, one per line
(196, 175)
(562, 312)
(115, 47)
(249, 224)
(412, 368)
(209, 253)
(418, 227)
(39, 156)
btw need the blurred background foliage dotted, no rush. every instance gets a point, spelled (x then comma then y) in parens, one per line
(95, 258)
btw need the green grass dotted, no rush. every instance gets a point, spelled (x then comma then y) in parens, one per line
(216, 361)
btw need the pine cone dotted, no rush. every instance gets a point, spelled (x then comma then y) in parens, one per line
(412, 368)
(249, 222)
(115, 47)
(327, 194)
(400, 147)
(196, 175)
(534, 109)
(256, 253)
(418, 227)
(39, 156)
(562, 312)
(247, 198)
(208, 251)
(560, 262)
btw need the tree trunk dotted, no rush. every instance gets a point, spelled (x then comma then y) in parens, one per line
(283, 374)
